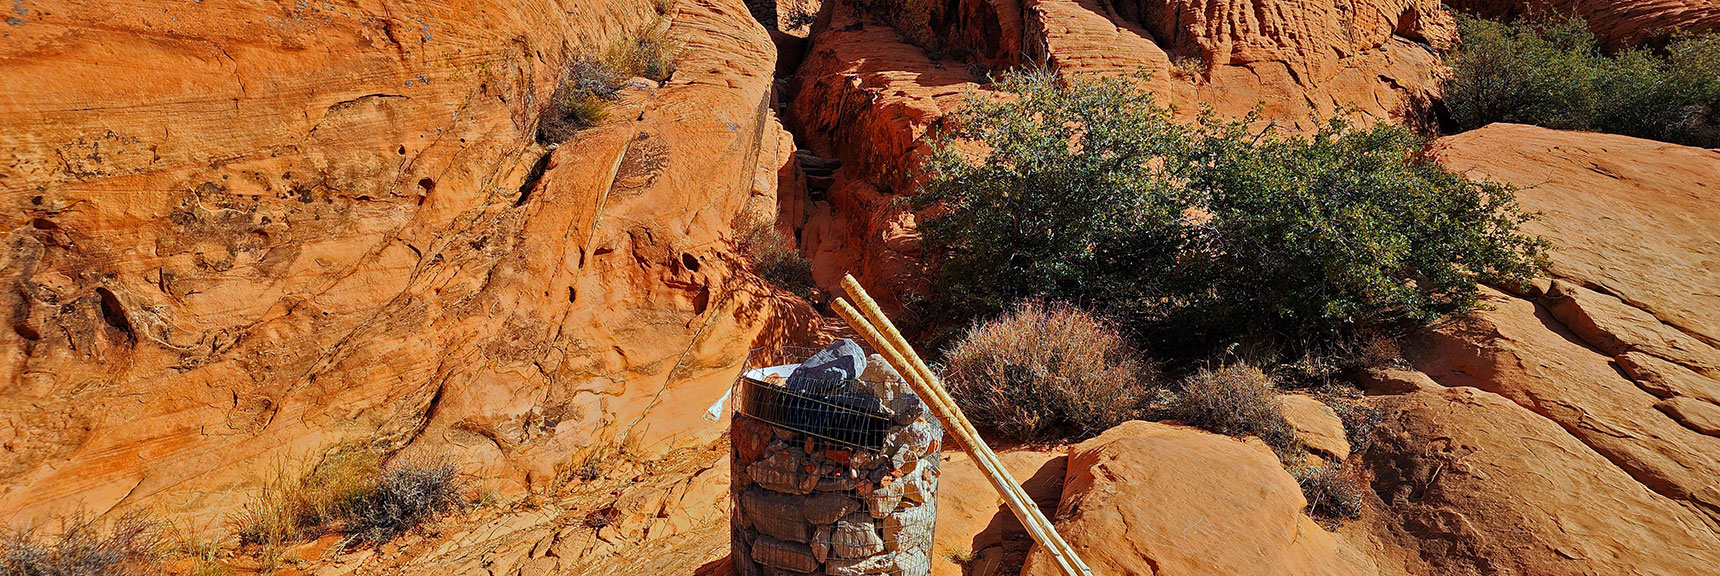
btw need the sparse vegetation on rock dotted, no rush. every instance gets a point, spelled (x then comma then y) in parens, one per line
(1235, 400)
(131, 545)
(590, 83)
(774, 257)
(1048, 370)
(1551, 72)
(352, 493)
(1332, 495)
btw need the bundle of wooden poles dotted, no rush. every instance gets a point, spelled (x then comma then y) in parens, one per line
(869, 320)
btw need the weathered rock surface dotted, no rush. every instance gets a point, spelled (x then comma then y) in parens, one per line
(240, 234)
(1631, 218)
(1484, 486)
(974, 522)
(1290, 57)
(1631, 315)
(1142, 499)
(1317, 425)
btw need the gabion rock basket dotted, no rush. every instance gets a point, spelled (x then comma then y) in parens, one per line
(830, 477)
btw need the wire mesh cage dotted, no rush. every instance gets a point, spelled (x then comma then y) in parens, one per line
(830, 476)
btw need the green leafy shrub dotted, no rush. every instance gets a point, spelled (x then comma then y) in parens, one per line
(1331, 495)
(1047, 370)
(1236, 400)
(1200, 234)
(1552, 73)
(130, 546)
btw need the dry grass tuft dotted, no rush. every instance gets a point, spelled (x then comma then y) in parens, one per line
(773, 256)
(1332, 496)
(1047, 370)
(1236, 400)
(131, 545)
(352, 493)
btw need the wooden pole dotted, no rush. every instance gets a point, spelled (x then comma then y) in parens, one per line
(875, 328)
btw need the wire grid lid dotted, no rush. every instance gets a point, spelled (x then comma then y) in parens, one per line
(842, 412)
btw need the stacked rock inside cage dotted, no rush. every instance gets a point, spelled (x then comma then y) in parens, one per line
(835, 467)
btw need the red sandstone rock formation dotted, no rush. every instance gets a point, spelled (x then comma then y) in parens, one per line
(1616, 24)
(237, 235)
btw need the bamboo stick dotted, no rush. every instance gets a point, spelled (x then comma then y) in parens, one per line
(968, 441)
(870, 321)
(875, 315)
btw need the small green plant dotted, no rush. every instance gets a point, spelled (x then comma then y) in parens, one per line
(1332, 495)
(130, 546)
(1047, 370)
(1236, 400)
(1551, 72)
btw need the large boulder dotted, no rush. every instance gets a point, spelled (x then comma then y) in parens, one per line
(1628, 319)
(1150, 498)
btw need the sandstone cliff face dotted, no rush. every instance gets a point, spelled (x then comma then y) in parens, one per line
(1615, 24)
(239, 234)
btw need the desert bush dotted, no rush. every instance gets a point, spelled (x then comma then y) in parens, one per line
(580, 100)
(1359, 421)
(131, 545)
(1207, 233)
(588, 84)
(1551, 72)
(774, 257)
(317, 501)
(350, 492)
(648, 54)
(1332, 496)
(406, 497)
(1236, 400)
(1047, 370)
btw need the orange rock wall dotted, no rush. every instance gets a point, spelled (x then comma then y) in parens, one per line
(237, 234)
(1615, 24)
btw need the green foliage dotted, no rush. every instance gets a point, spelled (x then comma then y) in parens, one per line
(1236, 400)
(131, 546)
(1047, 371)
(1552, 73)
(1205, 233)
